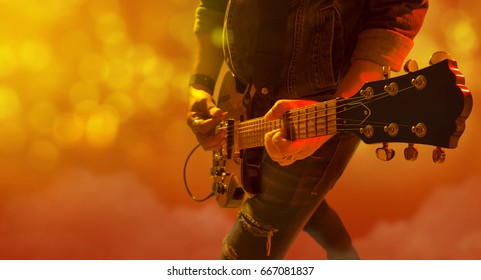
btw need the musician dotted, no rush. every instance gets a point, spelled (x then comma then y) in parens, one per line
(319, 50)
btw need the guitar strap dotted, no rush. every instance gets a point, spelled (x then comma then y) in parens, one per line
(266, 61)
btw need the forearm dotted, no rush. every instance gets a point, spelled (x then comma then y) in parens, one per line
(386, 40)
(207, 62)
(388, 33)
(203, 115)
(360, 72)
(208, 54)
(208, 59)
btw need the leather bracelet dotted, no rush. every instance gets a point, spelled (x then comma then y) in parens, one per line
(203, 80)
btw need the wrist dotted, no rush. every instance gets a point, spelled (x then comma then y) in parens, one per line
(360, 72)
(203, 82)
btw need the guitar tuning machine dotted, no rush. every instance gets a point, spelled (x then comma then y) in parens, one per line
(438, 57)
(411, 66)
(385, 153)
(411, 153)
(439, 155)
(386, 72)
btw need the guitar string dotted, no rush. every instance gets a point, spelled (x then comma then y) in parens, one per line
(376, 97)
(248, 124)
(250, 132)
(259, 124)
(260, 121)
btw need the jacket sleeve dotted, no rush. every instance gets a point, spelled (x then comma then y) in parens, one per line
(389, 29)
(209, 15)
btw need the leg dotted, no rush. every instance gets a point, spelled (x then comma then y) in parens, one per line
(270, 221)
(327, 229)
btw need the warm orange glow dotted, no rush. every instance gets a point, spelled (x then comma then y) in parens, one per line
(42, 116)
(93, 140)
(43, 155)
(10, 106)
(68, 129)
(102, 127)
(13, 138)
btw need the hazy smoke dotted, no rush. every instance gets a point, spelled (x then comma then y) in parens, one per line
(96, 216)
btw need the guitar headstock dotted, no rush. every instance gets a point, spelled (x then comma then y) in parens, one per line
(427, 106)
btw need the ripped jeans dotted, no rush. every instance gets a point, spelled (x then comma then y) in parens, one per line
(292, 199)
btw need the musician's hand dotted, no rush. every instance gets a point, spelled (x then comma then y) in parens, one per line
(203, 117)
(280, 149)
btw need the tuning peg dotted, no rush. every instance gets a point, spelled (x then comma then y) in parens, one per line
(411, 66)
(439, 155)
(411, 153)
(438, 57)
(386, 72)
(385, 153)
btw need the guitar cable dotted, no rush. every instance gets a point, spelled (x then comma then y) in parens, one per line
(185, 178)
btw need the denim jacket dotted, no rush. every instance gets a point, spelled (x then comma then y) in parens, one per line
(322, 38)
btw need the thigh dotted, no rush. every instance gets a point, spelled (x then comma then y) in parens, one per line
(269, 222)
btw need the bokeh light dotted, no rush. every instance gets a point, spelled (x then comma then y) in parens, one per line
(13, 138)
(101, 86)
(10, 106)
(35, 55)
(73, 75)
(93, 67)
(460, 32)
(43, 155)
(42, 116)
(8, 60)
(68, 130)
(102, 127)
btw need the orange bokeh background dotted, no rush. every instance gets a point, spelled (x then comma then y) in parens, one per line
(93, 141)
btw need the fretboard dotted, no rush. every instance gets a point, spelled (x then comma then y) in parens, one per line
(306, 122)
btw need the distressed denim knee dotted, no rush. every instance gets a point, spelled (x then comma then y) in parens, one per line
(247, 227)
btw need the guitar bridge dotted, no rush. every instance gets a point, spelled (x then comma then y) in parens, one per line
(228, 126)
(227, 187)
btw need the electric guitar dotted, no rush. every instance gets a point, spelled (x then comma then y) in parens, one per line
(427, 106)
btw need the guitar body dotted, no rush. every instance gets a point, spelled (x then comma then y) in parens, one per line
(229, 162)
(427, 106)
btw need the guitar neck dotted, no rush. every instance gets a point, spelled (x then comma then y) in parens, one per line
(306, 122)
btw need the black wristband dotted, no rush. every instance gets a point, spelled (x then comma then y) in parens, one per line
(203, 80)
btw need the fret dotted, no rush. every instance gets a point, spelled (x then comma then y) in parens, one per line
(303, 129)
(251, 133)
(306, 122)
(298, 124)
(260, 132)
(321, 128)
(331, 118)
(312, 121)
(290, 117)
